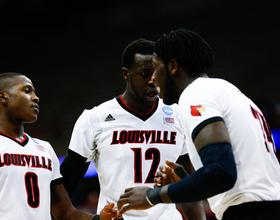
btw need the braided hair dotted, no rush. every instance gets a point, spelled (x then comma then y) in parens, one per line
(191, 52)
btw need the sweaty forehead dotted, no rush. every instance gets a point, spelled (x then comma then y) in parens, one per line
(143, 60)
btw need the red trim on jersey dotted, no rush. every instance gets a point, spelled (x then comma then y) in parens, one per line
(13, 137)
(136, 111)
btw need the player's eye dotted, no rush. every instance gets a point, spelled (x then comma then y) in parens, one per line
(27, 90)
(146, 74)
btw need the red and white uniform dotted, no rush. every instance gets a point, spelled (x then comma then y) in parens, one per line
(27, 169)
(258, 171)
(128, 149)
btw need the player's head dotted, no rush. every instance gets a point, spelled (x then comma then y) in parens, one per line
(190, 51)
(183, 52)
(139, 46)
(138, 70)
(17, 97)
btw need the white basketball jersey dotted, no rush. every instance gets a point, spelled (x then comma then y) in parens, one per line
(26, 171)
(128, 149)
(258, 171)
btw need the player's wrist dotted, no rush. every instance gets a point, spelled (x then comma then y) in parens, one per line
(153, 196)
(96, 217)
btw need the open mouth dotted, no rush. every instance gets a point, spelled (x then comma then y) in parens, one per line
(152, 95)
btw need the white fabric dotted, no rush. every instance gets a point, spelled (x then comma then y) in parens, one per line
(93, 138)
(258, 172)
(21, 163)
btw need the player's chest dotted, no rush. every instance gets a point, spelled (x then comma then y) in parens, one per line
(136, 132)
(28, 157)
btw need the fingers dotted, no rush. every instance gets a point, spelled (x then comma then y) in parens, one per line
(124, 209)
(126, 193)
(128, 189)
(162, 168)
(122, 202)
(160, 175)
(124, 198)
(109, 207)
(108, 212)
(160, 179)
(171, 164)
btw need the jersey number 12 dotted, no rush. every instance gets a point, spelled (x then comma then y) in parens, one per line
(150, 154)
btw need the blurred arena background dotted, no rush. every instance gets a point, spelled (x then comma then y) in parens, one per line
(71, 49)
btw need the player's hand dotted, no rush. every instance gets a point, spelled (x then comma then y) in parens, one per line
(108, 213)
(167, 175)
(135, 198)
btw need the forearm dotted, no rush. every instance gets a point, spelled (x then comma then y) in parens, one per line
(62, 208)
(203, 184)
(193, 210)
(77, 214)
(216, 176)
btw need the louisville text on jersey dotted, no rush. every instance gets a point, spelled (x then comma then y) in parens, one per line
(138, 136)
(25, 160)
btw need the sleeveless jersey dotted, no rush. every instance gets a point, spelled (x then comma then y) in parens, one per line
(258, 171)
(128, 149)
(26, 171)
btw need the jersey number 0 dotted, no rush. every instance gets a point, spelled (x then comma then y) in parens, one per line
(32, 189)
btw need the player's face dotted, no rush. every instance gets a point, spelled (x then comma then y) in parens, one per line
(164, 81)
(22, 103)
(141, 84)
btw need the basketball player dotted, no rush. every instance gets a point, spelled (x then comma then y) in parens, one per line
(30, 181)
(228, 140)
(128, 137)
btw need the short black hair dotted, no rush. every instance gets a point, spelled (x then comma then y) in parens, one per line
(5, 79)
(191, 52)
(141, 46)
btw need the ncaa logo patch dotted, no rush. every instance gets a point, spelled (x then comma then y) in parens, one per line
(167, 110)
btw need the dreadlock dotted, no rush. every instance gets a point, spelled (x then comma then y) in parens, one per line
(191, 52)
(140, 46)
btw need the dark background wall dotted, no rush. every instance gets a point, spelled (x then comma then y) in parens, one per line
(71, 49)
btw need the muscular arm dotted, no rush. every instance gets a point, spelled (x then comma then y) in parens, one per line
(61, 206)
(218, 173)
(73, 169)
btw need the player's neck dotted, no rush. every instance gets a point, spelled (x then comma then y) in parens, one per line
(12, 130)
(136, 105)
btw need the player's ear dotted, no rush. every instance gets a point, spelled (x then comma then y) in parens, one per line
(125, 73)
(172, 66)
(3, 97)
